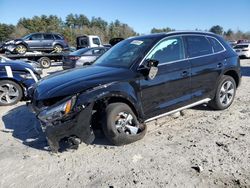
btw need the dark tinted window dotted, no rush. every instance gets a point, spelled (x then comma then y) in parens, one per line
(36, 37)
(48, 37)
(198, 46)
(168, 50)
(58, 37)
(80, 51)
(96, 41)
(215, 44)
(97, 52)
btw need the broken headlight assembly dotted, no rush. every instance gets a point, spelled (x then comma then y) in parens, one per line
(57, 111)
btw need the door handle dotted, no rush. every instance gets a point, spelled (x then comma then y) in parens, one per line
(184, 73)
(219, 65)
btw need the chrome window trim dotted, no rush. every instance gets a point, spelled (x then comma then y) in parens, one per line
(187, 58)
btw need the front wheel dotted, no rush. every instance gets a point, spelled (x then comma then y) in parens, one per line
(21, 49)
(225, 93)
(10, 93)
(121, 125)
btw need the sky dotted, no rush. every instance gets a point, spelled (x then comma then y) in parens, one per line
(141, 15)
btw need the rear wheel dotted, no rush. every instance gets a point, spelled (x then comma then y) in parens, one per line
(58, 48)
(21, 49)
(10, 93)
(121, 125)
(225, 93)
(45, 62)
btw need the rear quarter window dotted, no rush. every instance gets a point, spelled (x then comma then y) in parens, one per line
(198, 46)
(58, 37)
(217, 47)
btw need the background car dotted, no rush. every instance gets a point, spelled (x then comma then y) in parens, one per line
(243, 50)
(82, 57)
(15, 79)
(37, 41)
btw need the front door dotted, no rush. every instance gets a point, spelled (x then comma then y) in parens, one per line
(170, 89)
(35, 41)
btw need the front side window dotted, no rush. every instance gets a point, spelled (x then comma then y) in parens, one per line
(216, 45)
(36, 37)
(169, 50)
(198, 46)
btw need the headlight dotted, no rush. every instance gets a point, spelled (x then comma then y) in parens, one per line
(57, 111)
(26, 76)
(10, 42)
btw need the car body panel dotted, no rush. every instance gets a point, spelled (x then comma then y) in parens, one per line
(176, 84)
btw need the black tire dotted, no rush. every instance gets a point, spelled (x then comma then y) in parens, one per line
(45, 62)
(216, 103)
(117, 136)
(21, 49)
(58, 48)
(12, 90)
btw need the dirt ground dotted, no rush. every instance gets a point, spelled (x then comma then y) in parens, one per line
(201, 148)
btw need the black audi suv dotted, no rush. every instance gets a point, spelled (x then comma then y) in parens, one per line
(138, 80)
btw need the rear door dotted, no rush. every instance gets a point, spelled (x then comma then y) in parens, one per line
(48, 41)
(206, 65)
(170, 89)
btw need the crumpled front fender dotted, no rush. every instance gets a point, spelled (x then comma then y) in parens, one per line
(78, 125)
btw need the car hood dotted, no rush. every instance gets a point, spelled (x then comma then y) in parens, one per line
(17, 65)
(70, 82)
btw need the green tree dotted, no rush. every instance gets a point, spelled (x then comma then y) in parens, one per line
(163, 30)
(216, 29)
(5, 31)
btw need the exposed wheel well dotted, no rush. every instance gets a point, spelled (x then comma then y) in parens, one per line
(234, 75)
(100, 105)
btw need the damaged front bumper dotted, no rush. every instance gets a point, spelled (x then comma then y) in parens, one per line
(76, 124)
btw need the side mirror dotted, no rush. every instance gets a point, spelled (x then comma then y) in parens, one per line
(152, 68)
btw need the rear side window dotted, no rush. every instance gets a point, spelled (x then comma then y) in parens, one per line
(216, 45)
(36, 37)
(48, 37)
(58, 37)
(198, 46)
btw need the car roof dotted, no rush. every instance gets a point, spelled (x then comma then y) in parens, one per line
(162, 35)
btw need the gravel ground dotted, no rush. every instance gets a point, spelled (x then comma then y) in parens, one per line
(201, 148)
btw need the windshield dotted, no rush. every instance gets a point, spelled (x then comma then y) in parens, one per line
(80, 51)
(241, 46)
(126, 53)
(26, 37)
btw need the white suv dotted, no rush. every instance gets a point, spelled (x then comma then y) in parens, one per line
(243, 50)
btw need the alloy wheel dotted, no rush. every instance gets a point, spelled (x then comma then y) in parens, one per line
(125, 123)
(8, 93)
(227, 92)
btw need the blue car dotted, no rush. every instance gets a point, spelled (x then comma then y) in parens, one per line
(15, 79)
(36, 42)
